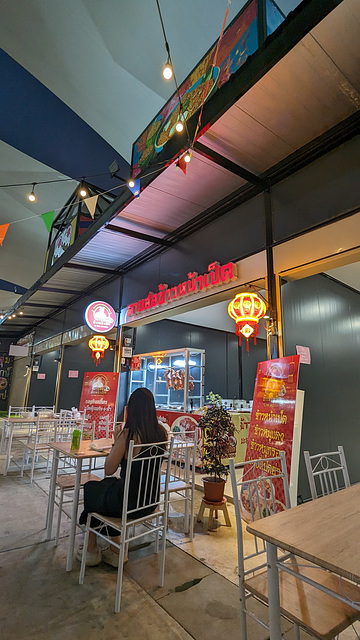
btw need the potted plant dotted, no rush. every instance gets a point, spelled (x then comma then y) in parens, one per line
(218, 443)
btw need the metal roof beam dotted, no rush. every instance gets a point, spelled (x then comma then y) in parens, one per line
(229, 165)
(86, 267)
(138, 235)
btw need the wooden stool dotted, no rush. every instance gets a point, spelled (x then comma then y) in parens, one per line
(214, 506)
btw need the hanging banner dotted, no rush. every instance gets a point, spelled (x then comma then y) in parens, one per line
(98, 397)
(271, 429)
(6, 369)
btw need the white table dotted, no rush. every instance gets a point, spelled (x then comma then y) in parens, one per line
(324, 531)
(84, 453)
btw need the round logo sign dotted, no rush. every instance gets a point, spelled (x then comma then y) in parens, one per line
(100, 316)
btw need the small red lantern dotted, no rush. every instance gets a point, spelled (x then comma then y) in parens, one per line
(98, 344)
(247, 309)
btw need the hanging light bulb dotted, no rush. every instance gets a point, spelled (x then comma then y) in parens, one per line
(131, 183)
(21, 313)
(1, 316)
(83, 192)
(32, 196)
(187, 156)
(179, 126)
(167, 70)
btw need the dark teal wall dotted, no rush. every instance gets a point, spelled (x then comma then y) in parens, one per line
(324, 315)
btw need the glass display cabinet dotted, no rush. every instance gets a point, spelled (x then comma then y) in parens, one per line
(176, 377)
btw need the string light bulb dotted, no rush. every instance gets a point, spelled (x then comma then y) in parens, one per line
(1, 316)
(83, 191)
(131, 183)
(168, 70)
(187, 156)
(179, 126)
(32, 196)
(21, 313)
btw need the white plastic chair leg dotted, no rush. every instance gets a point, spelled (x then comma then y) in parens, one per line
(83, 557)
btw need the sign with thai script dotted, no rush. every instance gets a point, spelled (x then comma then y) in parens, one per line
(217, 275)
(271, 427)
(304, 353)
(100, 316)
(98, 397)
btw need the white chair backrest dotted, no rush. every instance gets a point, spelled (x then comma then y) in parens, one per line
(142, 478)
(42, 431)
(327, 472)
(21, 412)
(255, 497)
(184, 455)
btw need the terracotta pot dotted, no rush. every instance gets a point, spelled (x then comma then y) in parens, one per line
(213, 489)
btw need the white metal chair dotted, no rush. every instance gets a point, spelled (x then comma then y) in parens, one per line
(143, 508)
(327, 472)
(182, 476)
(40, 435)
(21, 412)
(308, 607)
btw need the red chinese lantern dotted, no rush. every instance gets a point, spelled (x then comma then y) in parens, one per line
(98, 344)
(247, 309)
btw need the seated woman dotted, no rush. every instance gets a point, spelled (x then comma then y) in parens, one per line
(106, 497)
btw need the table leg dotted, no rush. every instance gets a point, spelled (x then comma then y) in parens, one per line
(273, 590)
(70, 556)
(51, 499)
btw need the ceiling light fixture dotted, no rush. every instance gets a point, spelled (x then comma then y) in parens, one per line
(32, 196)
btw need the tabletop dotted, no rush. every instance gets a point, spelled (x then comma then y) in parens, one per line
(324, 531)
(85, 450)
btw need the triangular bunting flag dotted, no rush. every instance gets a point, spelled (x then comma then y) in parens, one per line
(91, 205)
(3, 230)
(181, 164)
(48, 219)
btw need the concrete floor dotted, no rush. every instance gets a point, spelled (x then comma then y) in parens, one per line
(39, 599)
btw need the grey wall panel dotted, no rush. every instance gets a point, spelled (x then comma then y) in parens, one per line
(42, 392)
(325, 316)
(78, 357)
(323, 190)
(257, 353)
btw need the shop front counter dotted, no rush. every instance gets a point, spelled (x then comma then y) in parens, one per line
(183, 423)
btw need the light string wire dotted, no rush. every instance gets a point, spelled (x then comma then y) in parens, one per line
(119, 186)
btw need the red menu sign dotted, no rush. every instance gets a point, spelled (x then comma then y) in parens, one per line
(271, 425)
(98, 397)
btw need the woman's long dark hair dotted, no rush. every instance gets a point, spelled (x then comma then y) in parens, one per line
(141, 420)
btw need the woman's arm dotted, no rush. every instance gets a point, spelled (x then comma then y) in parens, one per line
(116, 454)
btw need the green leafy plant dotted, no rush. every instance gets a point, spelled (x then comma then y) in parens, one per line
(219, 440)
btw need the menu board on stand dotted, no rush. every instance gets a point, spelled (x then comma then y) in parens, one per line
(98, 397)
(272, 429)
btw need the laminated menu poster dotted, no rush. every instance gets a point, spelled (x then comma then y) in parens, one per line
(6, 369)
(98, 397)
(271, 431)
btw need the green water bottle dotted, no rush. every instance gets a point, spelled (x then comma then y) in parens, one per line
(76, 437)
